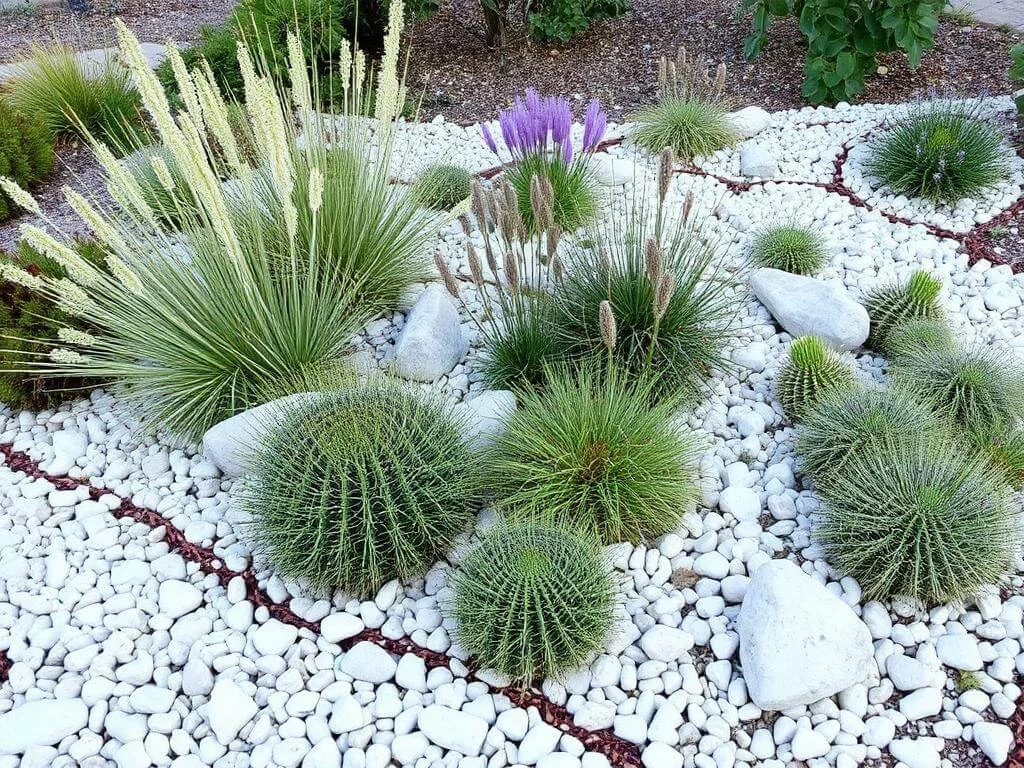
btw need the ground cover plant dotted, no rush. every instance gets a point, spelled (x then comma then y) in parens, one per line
(73, 98)
(690, 115)
(788, 247)
(942, 151)
(562, 19)
(274, 272)
(533, 600)
(359, 486)
(26, 151)
(590, 451)
(893, 304)
(811, 371)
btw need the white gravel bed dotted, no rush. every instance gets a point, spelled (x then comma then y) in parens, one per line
(125, 655)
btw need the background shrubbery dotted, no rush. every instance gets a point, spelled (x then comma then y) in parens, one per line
(26, 151)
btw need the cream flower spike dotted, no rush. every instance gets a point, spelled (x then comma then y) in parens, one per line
(21, 197)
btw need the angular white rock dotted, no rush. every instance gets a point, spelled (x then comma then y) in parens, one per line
(485, 416)
(432, 342)
(664, 643)
(230, 708)
(750, 121)
(368, 662)
(995, 740)
(41, 723)
(178, 598)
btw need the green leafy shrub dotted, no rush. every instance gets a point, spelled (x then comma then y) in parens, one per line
(919, 517)
(26, 151)
(690, 115)
(843, 38)
(30, 323)
(562, 19)
(896, 303)
(533, 600)
(70, 97)
(1017, 75)
(811, 371)
(442, 186)
(790, 248)
(942, 151)
(357, 487)
(591, 451)
(843, 423)
(910, 336)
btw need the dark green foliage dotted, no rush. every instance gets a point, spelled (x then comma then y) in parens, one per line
(693, 125)
(1017, 75)
(920, 517)
(26, 151)
(520, 344)
(942, 151)
(442, 186)
(848, 422)
(844, 37)
(896, 303)
(360, 486)
(575, 190)
(790, 248)
(562, 19)
(218, 45)
(591, 451)
(29, 324)
(811, 371)
(913, 335)
(533, 600)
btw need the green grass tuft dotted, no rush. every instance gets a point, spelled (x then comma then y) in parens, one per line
(520, 344)
(942, 152)
(169, 205)
(921, 517)
(911, 336)
(26, 151)
(896, 303)
(811, 371)
(360, 486)
(533, 600)
(575, 190)
(591, 451)
(692, 125)
(790, 248)
(442, 186)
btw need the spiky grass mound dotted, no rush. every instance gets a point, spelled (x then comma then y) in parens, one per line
(533, 600)
(847, 422)
(896, 303)
(692, 125)
(790, 248)
(1004, 445)
(519, 345)
(919, 517)
(916, 335)
(360, 486)
(591, 451)
(811, 371)
(573, 184)
(942, 152)
(974, 386)
(442, 186)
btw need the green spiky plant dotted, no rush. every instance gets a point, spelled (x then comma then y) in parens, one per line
(533, 600)
(811, 371)
(26, 151)
(790, 248)
(843, 423)
(921, 517)
(591, 451)
(911, 336)
(442, 186)
(1004, 444)
(690, 115)
(520, 344)
(895, 303)
(941, 151)
(355, 487)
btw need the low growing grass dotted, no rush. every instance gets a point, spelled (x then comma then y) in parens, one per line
(790, 248)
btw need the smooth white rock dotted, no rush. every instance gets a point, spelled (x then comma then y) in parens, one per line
(431, 342)
(451, 729)
(41, 723)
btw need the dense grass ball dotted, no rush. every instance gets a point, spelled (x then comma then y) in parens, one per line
(811, 371)
(917, 298)
(921, 518)
(1004, 445)
(942, 152)
(358, 487)
(693, 126)
(442, 186)
(573, 185)
(790, 248)
(519, 345)
(591, 451)
(533, 600)
(847, 422)
(917, 335)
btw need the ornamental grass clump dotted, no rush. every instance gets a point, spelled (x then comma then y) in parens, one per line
(921, 517)
(811, 371)
(537, 132)
(273, 272)
(890, 305)
(790, 248)
(533, 600)
(442, 186)
(356, 487)
(26, 151)
(915, 335)
(942, 151)
(690, 115)
(592, 452)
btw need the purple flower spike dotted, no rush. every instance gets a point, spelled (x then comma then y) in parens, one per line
(594, 126)
(535, 125)
(567, 152)
(488, 138)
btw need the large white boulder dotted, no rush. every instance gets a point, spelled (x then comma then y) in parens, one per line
(41, 723)
(799, 643)
(231, 443)
(804, 305)
(749, 121)
(995, 740)
(432, 342)
(228, 710)
(485, 416)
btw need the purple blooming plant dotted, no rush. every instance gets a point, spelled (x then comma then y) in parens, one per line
(536, 125)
